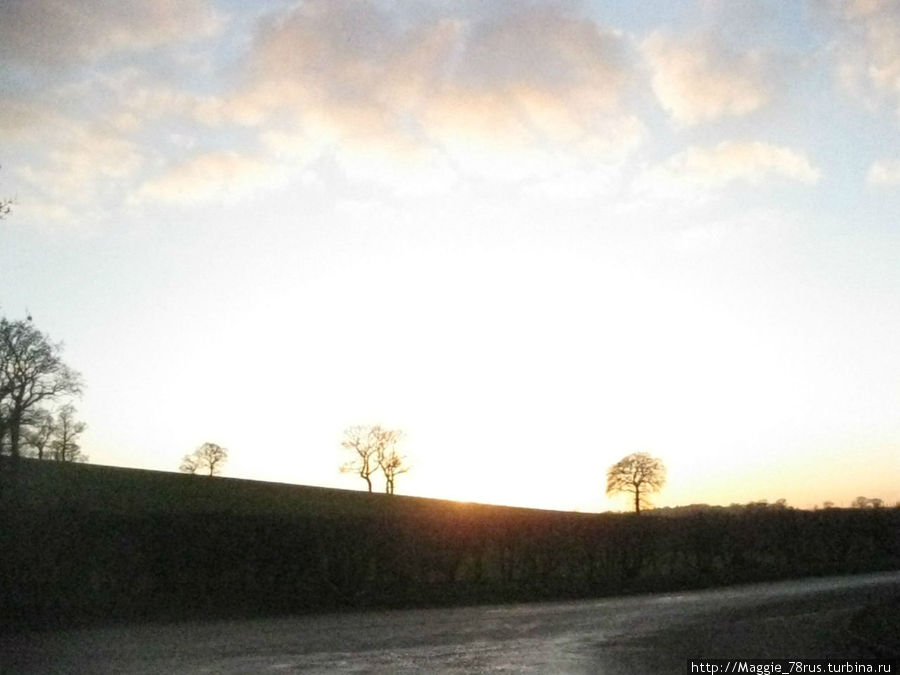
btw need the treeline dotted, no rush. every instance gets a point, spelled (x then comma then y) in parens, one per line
(37, 417)
(68, 563)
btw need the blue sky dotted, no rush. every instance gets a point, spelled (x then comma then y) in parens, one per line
(535, 236)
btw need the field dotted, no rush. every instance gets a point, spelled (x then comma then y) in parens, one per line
(43, 485)
(86, 543)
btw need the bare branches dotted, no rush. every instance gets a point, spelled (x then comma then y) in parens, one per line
(362, 442)
(189, 464)
(374, 448)
(39, 433)
(208, 457)
(391, 463)
(32, 373)
(66, 430)
(636, 474)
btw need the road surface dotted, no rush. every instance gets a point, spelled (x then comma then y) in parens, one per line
(835, 617)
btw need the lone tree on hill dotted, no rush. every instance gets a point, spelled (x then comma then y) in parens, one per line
(32, 374)
(373, 448)
(208, 457)
(636, 474)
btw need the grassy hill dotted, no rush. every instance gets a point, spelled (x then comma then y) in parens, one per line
(125, 491)
(94, 543)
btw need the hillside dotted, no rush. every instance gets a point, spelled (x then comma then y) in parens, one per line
(137, 491)
(84, 543)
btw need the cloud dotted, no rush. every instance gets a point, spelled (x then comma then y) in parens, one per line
(884, 173)
(410, 98)
(78, 149)
(59, 32)
(413, 99)
(78, 139)
(727, 162)
(86, 170)
(868, 49)
(697, 80)
(205, 176)
(501, 95)
(19, 117)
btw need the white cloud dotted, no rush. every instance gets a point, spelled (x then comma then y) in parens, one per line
(86, 168)
(868, 49)
(79, 138)
(221, 175)
(504, 96)
(698, 80)
(884, 173)
(80, 148)
(706, 168)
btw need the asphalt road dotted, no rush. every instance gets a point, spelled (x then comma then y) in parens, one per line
(837, 617)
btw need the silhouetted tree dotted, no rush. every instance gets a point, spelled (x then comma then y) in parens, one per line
(866, 503)
(373, 447)
(64, 441)
(39, 433)
(392, 464)
(32, 374)
(636, 474)
(209, 457)
(189, 464)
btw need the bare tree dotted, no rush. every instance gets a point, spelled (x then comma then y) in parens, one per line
(209, 457)
(374, 449)
(391, 463)
(66, 430)
(360, 440)
(40, 431)
(212, 457)
(189, 464)
(32, 374)
(636, 474)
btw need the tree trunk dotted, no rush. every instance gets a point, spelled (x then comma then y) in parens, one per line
(15, 428)
(637, 501)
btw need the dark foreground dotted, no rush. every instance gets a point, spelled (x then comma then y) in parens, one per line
(836, 617)
(88, 545)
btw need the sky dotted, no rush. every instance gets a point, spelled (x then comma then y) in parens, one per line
(536, 237)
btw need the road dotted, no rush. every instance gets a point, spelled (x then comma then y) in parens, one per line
(835, 617)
